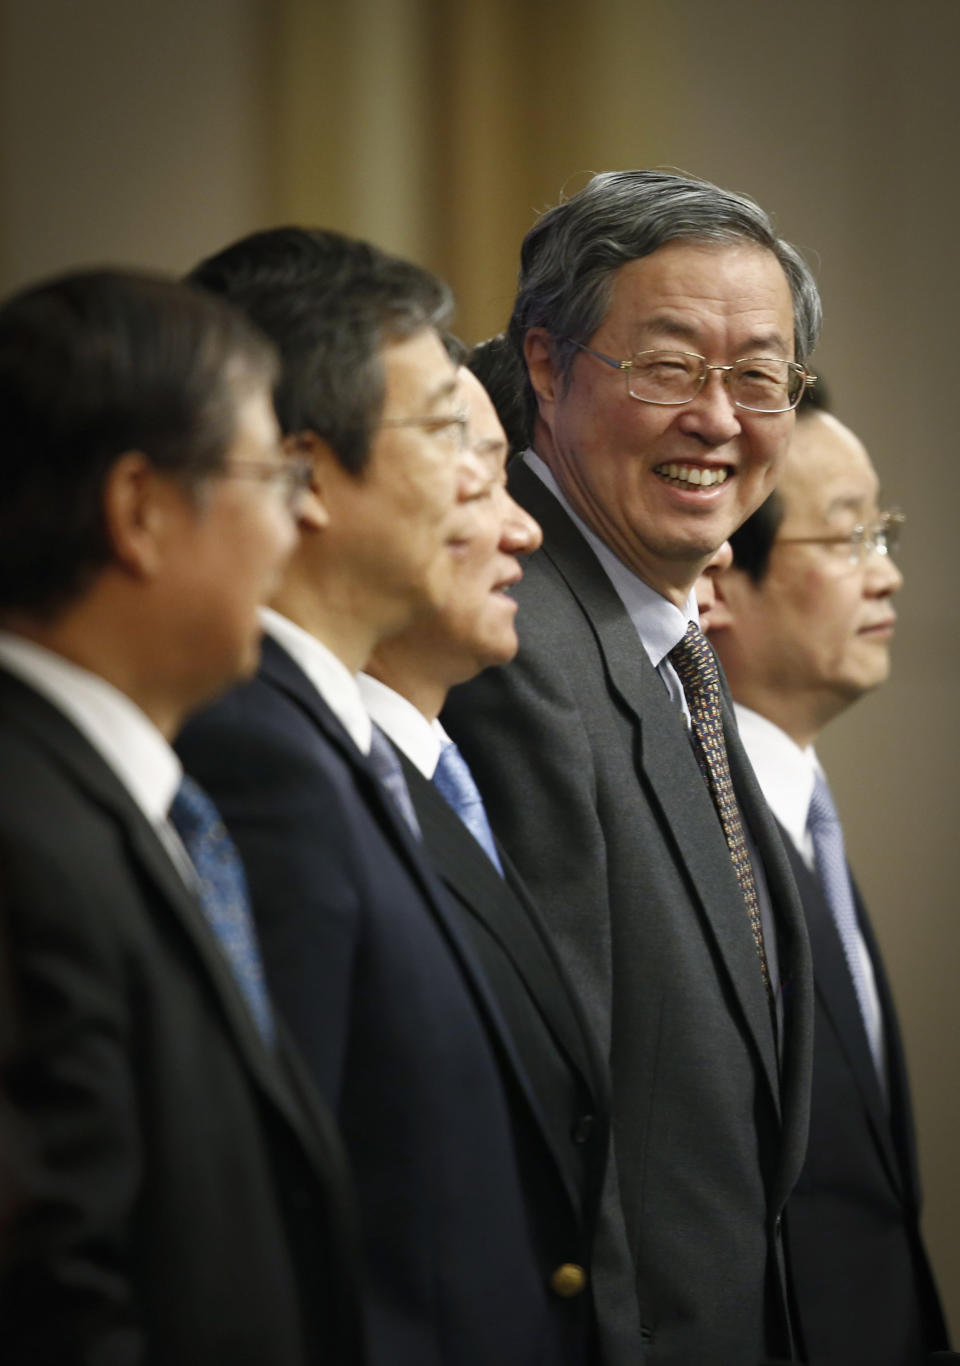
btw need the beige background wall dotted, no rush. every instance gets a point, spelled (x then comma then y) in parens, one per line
(153, 131)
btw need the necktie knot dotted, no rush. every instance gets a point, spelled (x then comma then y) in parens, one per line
(696, 666)
(454, 781)
(821, 813)
(222, 885)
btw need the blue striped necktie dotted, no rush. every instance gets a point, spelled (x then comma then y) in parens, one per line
(223, 894)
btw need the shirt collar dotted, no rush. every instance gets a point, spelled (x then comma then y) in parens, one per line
(785, 771)
(659, 624)
(328, 674)
(419, 739)
(120, 732)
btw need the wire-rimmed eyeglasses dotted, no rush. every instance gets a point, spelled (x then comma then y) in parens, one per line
(451, 427)
(758, 384)
(291, 476)
(880, 537)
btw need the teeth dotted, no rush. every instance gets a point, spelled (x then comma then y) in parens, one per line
(692, 474)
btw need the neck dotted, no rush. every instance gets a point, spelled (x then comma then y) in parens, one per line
(403, 670)
(794, 715)
(330, 617)
(104, 649)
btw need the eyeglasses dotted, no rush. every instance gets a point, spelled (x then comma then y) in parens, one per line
(450, 427)
(758, 384)
(881, 537)
(292, 477)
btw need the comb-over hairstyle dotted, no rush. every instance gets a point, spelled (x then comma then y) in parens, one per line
(329, 303)
(92, 365)
(571, 254)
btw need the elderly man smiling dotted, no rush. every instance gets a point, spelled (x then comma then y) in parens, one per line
(664, 329)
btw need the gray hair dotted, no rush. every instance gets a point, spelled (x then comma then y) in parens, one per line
(571, 254)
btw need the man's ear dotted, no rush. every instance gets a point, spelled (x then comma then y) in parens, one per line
(136, 511)
(538, 352)
(313, 512)
(728, 584)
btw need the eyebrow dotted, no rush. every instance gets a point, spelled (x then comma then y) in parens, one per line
(846, 502)
(442, 391)
(681, 331)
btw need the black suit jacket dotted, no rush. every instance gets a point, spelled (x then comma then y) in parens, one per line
(865, 1293)
(366, 958)
(182, 1196)
(591, 783)
(546, 1023)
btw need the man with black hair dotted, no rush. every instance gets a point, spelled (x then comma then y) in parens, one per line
(180, 1194)
(803, 623)
(365, 955)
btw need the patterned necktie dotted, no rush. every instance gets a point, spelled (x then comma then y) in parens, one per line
(454, 781)
(831, 860)
(696, 667)
(223, 894)
(386, 765)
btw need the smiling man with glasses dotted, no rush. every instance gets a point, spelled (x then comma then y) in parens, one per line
(665, 331)
(803, 624)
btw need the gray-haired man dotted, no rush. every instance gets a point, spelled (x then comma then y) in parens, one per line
(664, 328)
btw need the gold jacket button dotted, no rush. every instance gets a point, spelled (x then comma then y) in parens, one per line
(568, 1280)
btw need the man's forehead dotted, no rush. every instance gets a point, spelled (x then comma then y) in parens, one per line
(673, 291)
(827, 469)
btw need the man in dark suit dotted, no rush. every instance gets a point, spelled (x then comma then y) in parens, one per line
(664, 329)
(803, 624)
(181, 1196)
(364, 952)
(404, 688)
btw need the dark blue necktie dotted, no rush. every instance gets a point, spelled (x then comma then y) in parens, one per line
(386, 765)
(223, 894)
(454, 781)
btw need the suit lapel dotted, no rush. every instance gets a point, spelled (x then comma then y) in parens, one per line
(70, 750)
(504, 909)
(838, 1000)
(280, 671)
(665, 758)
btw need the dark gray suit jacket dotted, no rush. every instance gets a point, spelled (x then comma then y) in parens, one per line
(864, 1288)
(593, 787)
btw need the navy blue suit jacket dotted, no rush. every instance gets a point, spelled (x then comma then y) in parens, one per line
(183, 1197)
(366, 961)
(864, 1288)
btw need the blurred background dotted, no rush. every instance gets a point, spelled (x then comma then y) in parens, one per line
(152, 132)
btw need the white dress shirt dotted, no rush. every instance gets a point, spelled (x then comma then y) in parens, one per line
(786, 774)
(328, 674)
(419, 739)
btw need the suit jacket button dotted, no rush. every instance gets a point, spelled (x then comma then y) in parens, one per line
(583, 1128)
(568, 1280)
